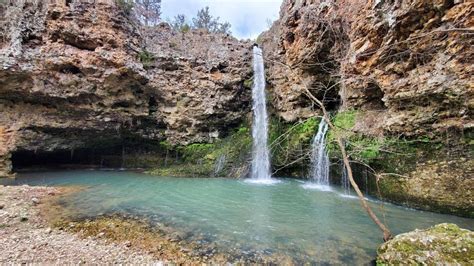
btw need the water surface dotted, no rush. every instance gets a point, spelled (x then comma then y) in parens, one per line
(240, 218)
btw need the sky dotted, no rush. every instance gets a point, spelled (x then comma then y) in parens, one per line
(248, 17)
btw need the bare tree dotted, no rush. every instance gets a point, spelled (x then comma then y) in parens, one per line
(148, 11)
(332, 30)
(387, 235)
(179, 23)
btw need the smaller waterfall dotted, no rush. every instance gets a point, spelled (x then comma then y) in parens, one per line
(219, 165)
(346, 185)
(319, 172)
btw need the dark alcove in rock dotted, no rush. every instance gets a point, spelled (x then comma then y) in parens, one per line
(110, 157)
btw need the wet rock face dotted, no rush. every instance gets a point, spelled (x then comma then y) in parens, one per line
(441, 244)
(71, 78)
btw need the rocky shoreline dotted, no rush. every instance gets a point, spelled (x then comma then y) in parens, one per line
(26, 237)
(34, 228)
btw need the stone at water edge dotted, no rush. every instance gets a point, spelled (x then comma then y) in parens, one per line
(441, 244)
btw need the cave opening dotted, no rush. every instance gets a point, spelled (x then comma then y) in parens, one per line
(111, 157)
(374, 97)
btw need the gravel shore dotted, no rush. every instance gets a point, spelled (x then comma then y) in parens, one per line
(25, 236)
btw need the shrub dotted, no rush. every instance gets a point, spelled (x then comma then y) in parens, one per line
(185, 28)
(125, 5)
(145, 57)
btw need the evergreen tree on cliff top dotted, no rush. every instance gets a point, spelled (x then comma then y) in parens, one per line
(204, 20)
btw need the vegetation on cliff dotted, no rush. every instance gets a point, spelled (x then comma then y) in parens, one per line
(225, 157)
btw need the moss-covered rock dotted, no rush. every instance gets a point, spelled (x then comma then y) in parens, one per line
(226, 157)
(430, 173)
(290, 146)
(443, 244)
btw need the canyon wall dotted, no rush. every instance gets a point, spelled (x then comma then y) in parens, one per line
(78, 76)
(403, 70)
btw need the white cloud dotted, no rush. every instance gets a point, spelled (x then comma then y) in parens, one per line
(248, 17)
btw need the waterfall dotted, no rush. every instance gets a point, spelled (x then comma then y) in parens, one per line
(219, 165)
(319, 156)
(260, 153)
(346, 185)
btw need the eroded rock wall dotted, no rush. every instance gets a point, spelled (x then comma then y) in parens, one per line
(404, 66)
(73, 77)
(203, 81)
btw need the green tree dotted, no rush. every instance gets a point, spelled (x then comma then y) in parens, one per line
(125, 5)
(204, 20)
(179, 23)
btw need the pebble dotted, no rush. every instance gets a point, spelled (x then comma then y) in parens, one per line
(35, 201)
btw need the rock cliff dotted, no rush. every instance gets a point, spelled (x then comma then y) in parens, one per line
(80, 76)
(405, 68)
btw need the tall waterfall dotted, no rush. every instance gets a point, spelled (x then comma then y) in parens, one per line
(260, 154)
(319, 156)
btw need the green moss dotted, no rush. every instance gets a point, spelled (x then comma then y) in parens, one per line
(345, 120)
(369, 149)
(359, 147)
(290, 144)
(248, 83)
(165, 145)
(142, 160)
(199, 159)
(392, 187)
(448, 244)
(197, 151)
(183, 170)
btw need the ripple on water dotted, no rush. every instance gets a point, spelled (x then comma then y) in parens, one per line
(319, 187)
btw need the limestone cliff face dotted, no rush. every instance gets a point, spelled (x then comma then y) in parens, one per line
(200, 78)
(408, 60)
(404, 66)
(71, 79)
(413, 61)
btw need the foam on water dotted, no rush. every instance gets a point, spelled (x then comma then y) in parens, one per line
(316, 186)
(269, 181)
